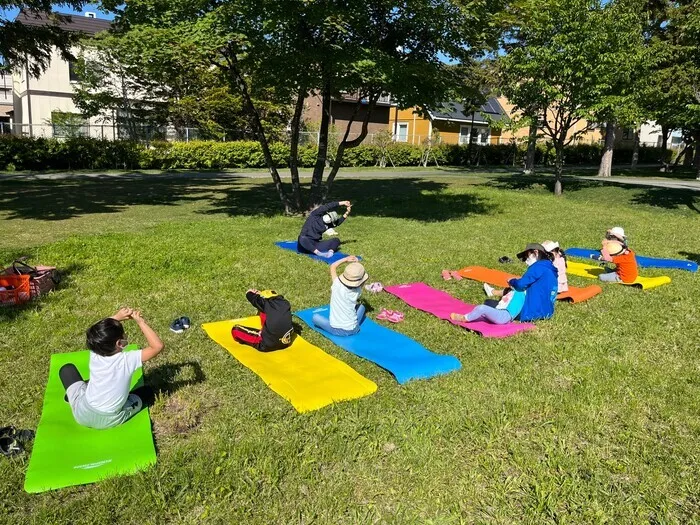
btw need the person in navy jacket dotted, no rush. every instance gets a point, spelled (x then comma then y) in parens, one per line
(321, 219)
(539, 283)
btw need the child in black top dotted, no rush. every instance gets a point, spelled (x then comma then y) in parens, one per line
(276, 320)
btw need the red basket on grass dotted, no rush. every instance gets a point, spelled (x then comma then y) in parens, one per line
(42, 279)
(17, 290)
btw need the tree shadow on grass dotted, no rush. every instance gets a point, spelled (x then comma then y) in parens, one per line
(66, 198)
(695, 257)
(403, 198)
(669, 198)
(409, 197)
(530, 182)
(162, 378)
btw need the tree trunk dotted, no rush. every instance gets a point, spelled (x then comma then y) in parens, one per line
(558, 166)
(260, 132)
(322, 153)
(697, 154)
(683, 155)
(531, 148)
(689, 158)
(605, 169)
(294, 149)
(664, 147)
(635, 149)
(347, 144)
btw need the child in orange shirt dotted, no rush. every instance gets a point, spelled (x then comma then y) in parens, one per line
(616, 251)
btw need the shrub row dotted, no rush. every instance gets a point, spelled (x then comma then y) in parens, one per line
(21, 153)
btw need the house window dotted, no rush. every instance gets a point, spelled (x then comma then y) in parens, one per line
(402, 132)
(68, 125)
(628, 134)
(481, 135)
(72, 73)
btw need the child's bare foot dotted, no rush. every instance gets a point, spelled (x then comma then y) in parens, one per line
(458, 317)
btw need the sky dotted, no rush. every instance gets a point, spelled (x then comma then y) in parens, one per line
(10, 14)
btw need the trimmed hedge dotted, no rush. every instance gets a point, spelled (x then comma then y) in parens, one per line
(22, 153)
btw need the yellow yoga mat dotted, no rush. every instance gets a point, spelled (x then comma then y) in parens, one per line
(303, 374)
(592, 272)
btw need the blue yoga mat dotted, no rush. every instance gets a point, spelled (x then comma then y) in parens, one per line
(292, 247)
(643, 262)
(402, 356)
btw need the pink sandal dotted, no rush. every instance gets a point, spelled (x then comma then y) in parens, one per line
(446, 275)
(385, 314)
(395, 317)
(456, 276)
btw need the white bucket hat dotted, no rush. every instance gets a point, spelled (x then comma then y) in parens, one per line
(550, 246)
(618, 232)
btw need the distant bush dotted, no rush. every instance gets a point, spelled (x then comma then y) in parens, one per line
(23, 153)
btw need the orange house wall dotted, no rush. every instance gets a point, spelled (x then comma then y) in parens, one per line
(419, 127)
(589, 137)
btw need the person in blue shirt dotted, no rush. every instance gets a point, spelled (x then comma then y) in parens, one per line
(540, 282)
(321, 219)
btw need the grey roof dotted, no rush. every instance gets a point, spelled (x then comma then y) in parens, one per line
(456, 112)
(77, 23)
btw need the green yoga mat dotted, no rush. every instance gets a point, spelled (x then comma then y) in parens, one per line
(67, 454)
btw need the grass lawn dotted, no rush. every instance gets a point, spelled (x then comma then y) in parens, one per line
(593, 417)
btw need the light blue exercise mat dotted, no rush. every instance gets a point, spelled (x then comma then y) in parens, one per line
(405, 358)
(643, 262)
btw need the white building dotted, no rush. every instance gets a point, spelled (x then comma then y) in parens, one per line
(41, 104)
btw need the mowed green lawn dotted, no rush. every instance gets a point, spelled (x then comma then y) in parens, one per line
(594, 417)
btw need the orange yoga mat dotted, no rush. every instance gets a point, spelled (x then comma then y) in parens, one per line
(500, 278)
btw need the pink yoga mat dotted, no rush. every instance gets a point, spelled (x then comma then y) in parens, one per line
(442, 304)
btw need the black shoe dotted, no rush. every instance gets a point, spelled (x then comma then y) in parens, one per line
(11, 440)
(176, 326)
(505, 260)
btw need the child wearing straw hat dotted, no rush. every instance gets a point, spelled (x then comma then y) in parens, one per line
(346, 315)
(615, 250)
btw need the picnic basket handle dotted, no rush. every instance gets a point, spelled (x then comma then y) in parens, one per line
(20, 261)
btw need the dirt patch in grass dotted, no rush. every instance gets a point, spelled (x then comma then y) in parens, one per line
(178, 416)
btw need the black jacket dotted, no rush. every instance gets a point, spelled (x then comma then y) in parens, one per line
(314, 226)
(277, 328)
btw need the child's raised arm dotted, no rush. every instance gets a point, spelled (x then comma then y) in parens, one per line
(155, 345)
(334, 266)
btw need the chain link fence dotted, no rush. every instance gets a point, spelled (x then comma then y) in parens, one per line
(141, 133)
(145, 133)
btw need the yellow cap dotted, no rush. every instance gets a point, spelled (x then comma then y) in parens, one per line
(268, 293)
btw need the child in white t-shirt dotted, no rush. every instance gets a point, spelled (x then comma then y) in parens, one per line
(105, 400)
(346, 315)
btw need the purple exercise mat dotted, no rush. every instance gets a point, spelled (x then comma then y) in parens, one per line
(442, 304)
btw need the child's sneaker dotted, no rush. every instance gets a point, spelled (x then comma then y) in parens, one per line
(177, 326)
(488, 290)
(185, 322)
